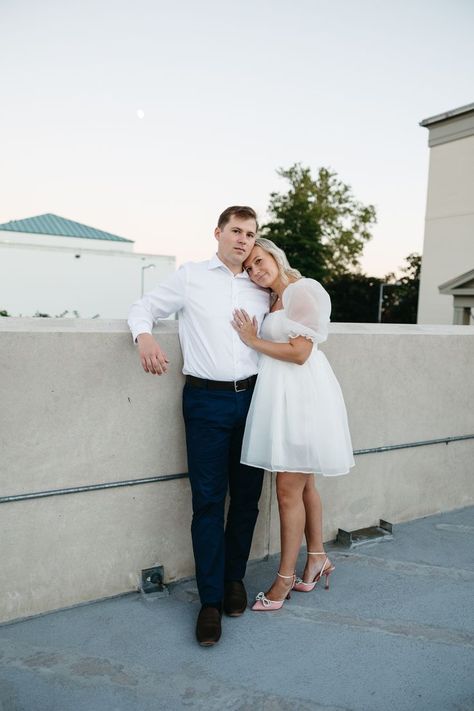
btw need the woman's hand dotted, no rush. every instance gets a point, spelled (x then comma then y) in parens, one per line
(245, 326)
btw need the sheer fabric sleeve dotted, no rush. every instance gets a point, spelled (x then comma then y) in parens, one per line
(307, 309)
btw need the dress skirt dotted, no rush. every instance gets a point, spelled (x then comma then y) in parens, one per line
(297, 420)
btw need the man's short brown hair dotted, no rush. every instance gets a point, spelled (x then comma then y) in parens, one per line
(240, 211)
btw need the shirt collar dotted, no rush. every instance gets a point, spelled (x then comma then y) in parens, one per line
(216, 263)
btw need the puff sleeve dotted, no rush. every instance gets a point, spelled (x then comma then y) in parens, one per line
(307, 309)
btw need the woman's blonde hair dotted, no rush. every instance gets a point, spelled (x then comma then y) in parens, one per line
(279, 256)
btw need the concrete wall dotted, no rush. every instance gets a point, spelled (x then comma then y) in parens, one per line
(77, 409)
(448, 247)
(55, 276)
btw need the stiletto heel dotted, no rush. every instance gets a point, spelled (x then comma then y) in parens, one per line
(301, 586)
(262, 602)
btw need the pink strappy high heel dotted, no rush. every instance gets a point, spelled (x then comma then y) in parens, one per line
(301, 586)
(263, 604)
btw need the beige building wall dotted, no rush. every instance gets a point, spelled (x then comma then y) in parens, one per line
(448, 248)
(77, 410)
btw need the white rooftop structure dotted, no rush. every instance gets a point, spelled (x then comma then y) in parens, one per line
(53, 266)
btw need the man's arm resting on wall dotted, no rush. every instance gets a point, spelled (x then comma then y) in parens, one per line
(166, 299)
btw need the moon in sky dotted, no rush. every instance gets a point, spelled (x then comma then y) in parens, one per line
(140, 113)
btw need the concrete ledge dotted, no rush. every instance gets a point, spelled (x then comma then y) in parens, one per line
(84, 325)
(78, 410)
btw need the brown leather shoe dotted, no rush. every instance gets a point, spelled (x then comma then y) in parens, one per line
(235, 598)
(208, 627)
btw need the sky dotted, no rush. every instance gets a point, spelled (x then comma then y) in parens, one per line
(147, 118)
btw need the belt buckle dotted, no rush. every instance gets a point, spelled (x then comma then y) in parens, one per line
(236, 388)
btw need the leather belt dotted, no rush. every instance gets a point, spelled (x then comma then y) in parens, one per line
(235, 385)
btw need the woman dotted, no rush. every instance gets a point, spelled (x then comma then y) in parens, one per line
(297, 423)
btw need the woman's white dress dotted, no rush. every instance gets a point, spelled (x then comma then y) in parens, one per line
(297, 420)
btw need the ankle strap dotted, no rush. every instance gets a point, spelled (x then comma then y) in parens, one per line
(319, 553)
(285, 576)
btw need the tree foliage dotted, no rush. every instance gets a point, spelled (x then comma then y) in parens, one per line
(318, 223)
(355, 296)
(323, 230)
(400, 301)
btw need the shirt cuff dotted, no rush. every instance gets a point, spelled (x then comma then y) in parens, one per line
(139, 330)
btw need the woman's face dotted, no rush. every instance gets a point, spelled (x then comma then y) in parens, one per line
(261, 267)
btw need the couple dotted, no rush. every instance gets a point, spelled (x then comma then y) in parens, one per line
(245, 310)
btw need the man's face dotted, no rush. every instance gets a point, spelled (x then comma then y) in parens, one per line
(236, 240)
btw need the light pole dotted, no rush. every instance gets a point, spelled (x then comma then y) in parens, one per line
(148, 266)
(395, 283)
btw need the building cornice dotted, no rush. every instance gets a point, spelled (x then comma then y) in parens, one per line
(450, 126)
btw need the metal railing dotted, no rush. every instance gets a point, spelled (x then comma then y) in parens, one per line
(171, 477)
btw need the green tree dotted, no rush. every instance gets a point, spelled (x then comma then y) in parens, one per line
(400, 301)
(318, 223)
(4, 313)
(354, 298)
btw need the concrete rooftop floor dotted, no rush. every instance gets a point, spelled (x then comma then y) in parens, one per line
(395, 631)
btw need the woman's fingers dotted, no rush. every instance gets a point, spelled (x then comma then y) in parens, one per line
(238, 319)
(241, 315)
(246, 326)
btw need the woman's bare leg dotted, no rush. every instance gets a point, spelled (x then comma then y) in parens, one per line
(313, 529)
(314, 516)
(290, 487)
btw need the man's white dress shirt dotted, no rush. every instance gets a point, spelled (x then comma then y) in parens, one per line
(204, 295)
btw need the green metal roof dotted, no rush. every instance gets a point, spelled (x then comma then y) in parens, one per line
(50, 224)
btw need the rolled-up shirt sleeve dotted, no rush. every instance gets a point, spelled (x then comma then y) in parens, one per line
(166, 299)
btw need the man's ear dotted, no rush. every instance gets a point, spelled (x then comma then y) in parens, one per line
(217, 233)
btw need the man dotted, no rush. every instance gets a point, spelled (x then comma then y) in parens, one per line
(220, 375)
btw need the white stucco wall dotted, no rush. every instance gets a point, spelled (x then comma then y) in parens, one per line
(448, 248)
(87, 276)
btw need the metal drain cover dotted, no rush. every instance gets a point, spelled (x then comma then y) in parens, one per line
(350, 539)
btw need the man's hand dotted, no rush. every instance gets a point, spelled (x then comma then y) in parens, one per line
(153, 359)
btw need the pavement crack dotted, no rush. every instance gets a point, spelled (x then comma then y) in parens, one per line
(413, 630)
(188, 686)
(454, 527)
(420, 569)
